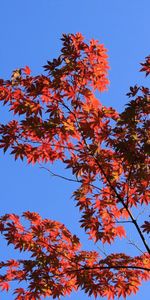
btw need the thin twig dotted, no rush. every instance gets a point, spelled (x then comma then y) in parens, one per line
(131, 242)
(70, 179)
(60, 176)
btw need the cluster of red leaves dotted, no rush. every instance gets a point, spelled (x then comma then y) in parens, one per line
(146, 66)
(106, 152)
(57, 266)
(52, 249)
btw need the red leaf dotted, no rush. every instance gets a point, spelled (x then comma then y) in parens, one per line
(27, 70)
(4, 286)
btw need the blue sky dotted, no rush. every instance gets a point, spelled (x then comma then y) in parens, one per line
(30, 33)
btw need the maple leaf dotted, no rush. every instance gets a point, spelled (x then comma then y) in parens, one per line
(146, 66)
(146, 227)
(27, 70)
(4, 286)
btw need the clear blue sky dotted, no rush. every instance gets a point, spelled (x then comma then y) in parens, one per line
(29, 35)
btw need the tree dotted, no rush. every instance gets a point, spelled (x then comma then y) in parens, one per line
(59, 117)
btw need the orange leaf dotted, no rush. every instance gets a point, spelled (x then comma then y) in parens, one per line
(120, 231)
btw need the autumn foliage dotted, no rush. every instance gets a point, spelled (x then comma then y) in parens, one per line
(58, 117)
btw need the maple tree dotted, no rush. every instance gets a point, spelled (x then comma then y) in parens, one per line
(58, 117)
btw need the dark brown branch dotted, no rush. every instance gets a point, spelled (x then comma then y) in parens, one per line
(124, 205)
(112, 267)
